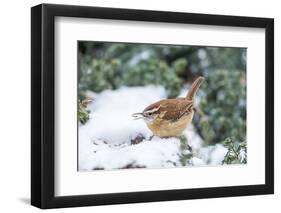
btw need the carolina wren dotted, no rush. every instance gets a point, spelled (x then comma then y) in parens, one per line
(169, 117)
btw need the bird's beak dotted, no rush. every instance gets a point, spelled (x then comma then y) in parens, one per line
(138, 115)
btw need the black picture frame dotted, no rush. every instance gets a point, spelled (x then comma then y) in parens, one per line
(43, 102)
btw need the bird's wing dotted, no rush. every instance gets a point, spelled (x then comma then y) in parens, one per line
(177, 109)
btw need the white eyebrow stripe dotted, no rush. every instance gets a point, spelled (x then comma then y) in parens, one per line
(153, 110)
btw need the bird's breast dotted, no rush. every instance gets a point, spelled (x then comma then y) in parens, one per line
(167, 128)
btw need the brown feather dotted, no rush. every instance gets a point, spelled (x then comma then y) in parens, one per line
(175, 108)
(171, 116)
(194, 88)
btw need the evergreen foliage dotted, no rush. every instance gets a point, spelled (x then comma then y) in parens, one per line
(221, 109)
(237, 152)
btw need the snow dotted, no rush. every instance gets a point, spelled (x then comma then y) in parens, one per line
(112, 111)
(242, 155)
(197, 162)
(112, 139)
(213, 155)
(149, 154)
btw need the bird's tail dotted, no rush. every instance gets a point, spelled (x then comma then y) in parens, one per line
(194, 88)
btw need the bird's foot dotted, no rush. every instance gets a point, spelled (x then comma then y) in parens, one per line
(150, 138)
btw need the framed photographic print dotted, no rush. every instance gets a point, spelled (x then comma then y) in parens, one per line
(140, 106)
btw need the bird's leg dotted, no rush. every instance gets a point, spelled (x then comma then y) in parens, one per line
(150, 138)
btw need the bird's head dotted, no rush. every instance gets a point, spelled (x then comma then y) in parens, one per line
(148, 114)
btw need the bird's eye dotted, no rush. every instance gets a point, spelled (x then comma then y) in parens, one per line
(150, 113)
